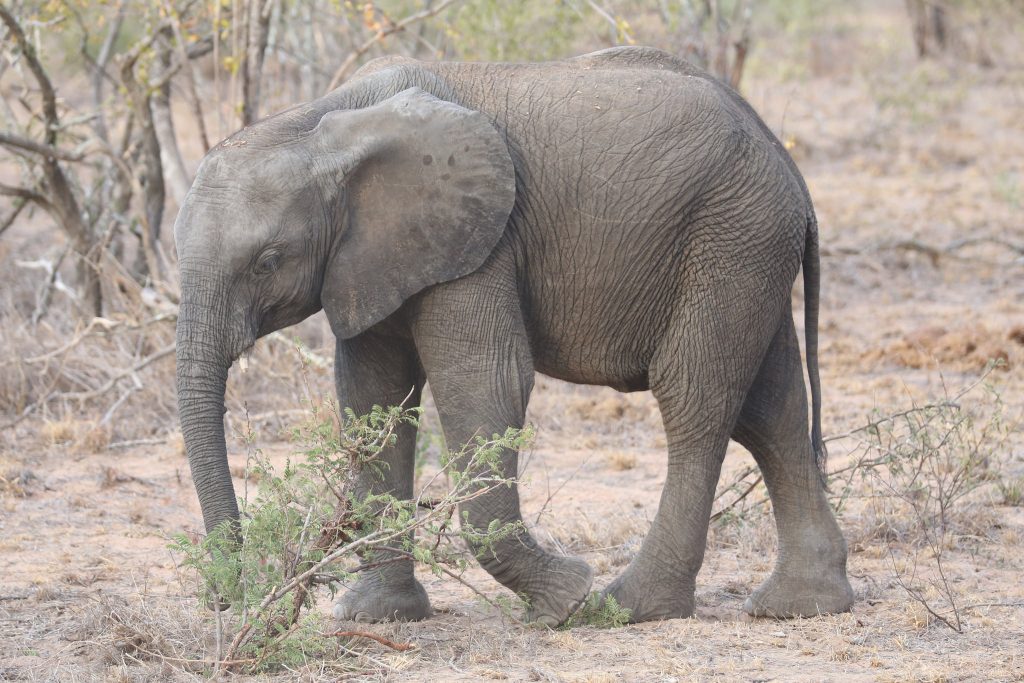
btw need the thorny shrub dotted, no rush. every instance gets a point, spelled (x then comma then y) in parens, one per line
(599, 611)
(919, 476)
(920, 469)
(309, 525)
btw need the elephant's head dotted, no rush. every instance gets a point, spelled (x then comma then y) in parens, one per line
(352, 210)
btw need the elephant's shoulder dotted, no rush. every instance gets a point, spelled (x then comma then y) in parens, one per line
(639, 57)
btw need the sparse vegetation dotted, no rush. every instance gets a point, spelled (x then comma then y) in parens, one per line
(599, 611)
(1012, 491)
(622, 462)
(913, 165)
(308, 527)
(914, 470)
(921, 467)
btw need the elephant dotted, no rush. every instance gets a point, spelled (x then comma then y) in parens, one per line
(621, 218)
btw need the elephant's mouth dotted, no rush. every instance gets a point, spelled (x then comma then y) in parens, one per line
(243, 347)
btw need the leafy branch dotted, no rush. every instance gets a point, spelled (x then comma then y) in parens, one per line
(311, 525)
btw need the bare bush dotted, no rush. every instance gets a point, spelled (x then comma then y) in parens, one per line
(713, 34)
(915, 470)
(969, 31)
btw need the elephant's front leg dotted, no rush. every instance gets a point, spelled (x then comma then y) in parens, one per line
(375, 370)
(473, 346)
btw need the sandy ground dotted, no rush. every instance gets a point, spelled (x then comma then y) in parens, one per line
(917, 172)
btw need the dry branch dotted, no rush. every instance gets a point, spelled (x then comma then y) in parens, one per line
(112, 382)
(46, 151)
(13, 216)
(458, 577)
(257, 31)
(149, 176)
(100, 75)
(401, 647)
(895, 416)
(191, 75)
(862, 464)
(26, 194)
(90, 330)
(612, 22)
(934, 252)
(60, 200)
(349, 62)
(740, 498)
(46, 291)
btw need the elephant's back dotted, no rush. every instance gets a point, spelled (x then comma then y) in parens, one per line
(616, 153)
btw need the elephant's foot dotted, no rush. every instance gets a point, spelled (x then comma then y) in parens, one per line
(372, 601)
(786, 595)
(565, 585)
(651, 598)
(553, 586)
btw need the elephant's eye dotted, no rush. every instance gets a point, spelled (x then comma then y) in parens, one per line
(268, 262)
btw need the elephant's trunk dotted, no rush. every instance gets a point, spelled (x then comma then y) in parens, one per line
(203, 357)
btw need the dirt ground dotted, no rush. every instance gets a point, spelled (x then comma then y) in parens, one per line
(917, 172)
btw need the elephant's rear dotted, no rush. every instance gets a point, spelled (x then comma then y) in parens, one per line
(631, 178)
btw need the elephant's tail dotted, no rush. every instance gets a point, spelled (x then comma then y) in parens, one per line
(812, 281)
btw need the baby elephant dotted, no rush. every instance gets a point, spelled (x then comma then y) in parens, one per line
(619, 219)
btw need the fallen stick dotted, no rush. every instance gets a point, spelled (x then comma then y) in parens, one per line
(401, 647)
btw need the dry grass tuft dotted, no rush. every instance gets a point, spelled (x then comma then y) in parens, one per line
(111, 477)
(916, 616)
(969, 347)
(622, 461)
(609, 408)
(93, 439)
(83, 436)
(177, 444)
(17, 482)
(583, 532)
(57, 432)
(45, 591)
(125, 632)
(1011, 490)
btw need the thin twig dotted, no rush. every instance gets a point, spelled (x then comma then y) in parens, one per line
(94, 324)
(392, 27)
(893, 417)
(46, 292)
(11, 140)
(736, 502)
(975, 605)
(490, 601)
(922, 600)
(191, 75)
(401, 647)
(25, 193)
(117, 445)
(109, 384)
(13, 216)
(552, 494)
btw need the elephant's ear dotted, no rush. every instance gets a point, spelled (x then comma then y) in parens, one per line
(428, 189)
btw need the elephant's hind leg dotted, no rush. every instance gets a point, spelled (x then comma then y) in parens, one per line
(473, 346)
(810, 575)
(375, 370)
(700, 374)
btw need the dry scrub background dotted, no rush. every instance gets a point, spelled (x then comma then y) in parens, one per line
(917, 172)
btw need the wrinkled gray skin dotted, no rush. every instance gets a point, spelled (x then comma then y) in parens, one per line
(620, 219)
